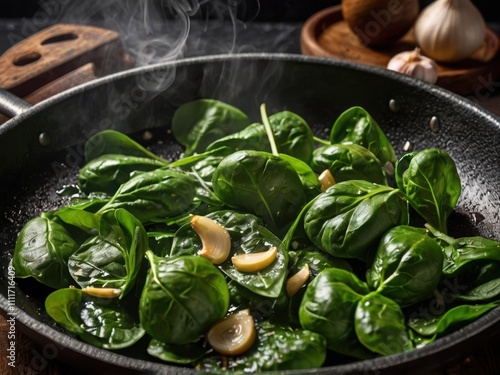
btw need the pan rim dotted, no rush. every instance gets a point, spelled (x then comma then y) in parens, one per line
(390, 362)
(285, 57)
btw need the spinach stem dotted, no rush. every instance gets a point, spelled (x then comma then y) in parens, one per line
(269, 131)
(321, 141)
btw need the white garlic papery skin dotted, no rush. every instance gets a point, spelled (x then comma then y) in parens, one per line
(413, 64)
(450, 30)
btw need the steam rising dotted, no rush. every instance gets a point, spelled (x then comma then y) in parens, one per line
(155, 31)
(160, 31)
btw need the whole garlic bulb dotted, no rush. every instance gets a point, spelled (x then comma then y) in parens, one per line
(450, 30)
(413, 64)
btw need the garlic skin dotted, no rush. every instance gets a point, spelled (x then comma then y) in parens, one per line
(450, 30)
(413, 64)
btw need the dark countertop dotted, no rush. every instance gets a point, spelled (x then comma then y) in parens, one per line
(204, 37)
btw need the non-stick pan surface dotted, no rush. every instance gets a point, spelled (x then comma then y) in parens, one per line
(41, 150)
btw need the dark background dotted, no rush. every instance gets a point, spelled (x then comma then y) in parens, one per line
(259, 10)
(241, 26)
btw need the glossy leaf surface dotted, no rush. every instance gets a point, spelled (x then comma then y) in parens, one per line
(328, 308)
(380, 325)
(407, 265)
(349, 218)
(262, 184)
(111, 259)
(430, 180)
(182, 298)
(102, 324)
(199, 123)
(42, 250)
(348, 162)
(356, 125)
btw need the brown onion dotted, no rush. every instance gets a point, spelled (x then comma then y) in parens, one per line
(380, 23)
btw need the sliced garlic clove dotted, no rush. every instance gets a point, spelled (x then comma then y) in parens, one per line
(233, 335)
(326, 179)
(297, 281)
(215, 240)
(102, 292)
(253, 262)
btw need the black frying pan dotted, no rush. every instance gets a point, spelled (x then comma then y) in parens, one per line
(40, 152)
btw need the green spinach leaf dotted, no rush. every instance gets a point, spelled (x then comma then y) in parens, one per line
(407, 265)
(316, 260)
(182, 298)
(429, 325)
(199, 123)
(262, 184)
(430, 180)
(349, 218)
(155, 196)
(380, 325)
(179, 354)
(113, 258)
(463, 252)
(82, 215)
(114, 142)
(348, 162)
(291, 133)
(355, 125)
(328, 308)
(107, 172)
(253, 137)
(42, 250)
(309, 179)
(103, 324)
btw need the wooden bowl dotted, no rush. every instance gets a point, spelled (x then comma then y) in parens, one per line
(327, 34)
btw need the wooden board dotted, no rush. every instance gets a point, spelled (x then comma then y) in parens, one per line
(58, 50)
(327, 34)
(58, 58)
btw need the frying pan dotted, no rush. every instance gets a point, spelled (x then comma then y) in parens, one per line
(41, 150)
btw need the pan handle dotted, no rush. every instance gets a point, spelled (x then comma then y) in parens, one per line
(11, 105)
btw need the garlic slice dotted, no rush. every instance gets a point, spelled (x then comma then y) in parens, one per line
(253, 262)
(297, 281)
(215, 240)
(233, 335)
(326, 179)
(102, 292)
